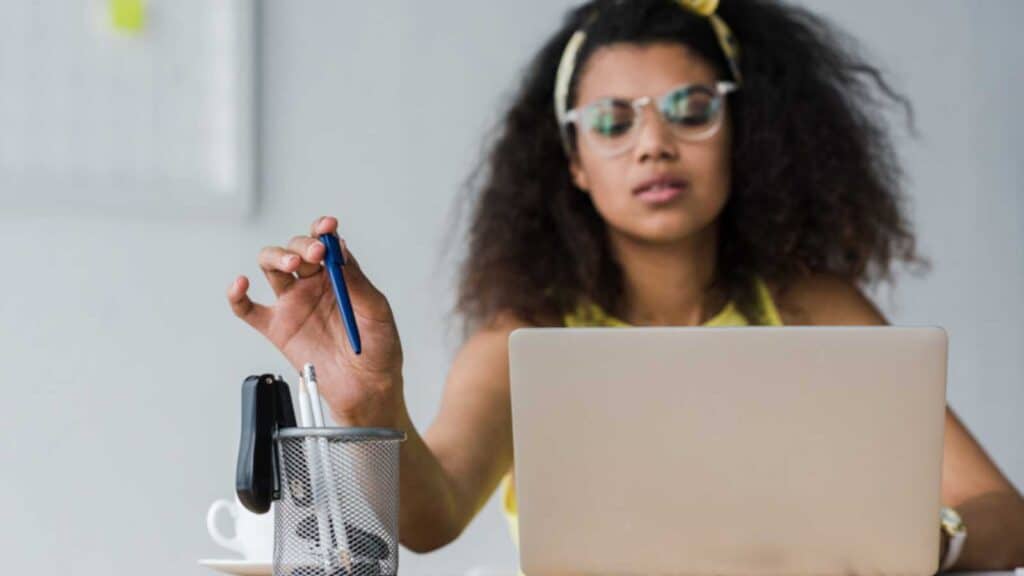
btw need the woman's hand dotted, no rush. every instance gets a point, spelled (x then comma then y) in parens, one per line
(305, 325)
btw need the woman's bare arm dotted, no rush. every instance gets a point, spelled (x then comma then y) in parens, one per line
(449, 472)
(992, 509)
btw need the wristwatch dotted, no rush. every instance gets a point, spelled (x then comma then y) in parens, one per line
(953, 527)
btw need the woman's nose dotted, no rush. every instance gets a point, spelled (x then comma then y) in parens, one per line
(655, 140)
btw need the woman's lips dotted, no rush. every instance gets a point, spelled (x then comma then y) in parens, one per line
(660, 191)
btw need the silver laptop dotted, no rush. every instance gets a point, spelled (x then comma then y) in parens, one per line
(728, 451)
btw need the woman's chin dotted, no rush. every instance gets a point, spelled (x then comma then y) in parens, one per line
(664, 233)
(670, 227)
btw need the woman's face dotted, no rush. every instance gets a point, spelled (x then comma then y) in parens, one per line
(697, 172)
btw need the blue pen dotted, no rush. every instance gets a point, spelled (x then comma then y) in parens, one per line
(333, 262)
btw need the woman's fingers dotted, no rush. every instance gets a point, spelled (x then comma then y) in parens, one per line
(311, 251)
(277, 265)
(324, 225)
(301, 258)
(255, 315)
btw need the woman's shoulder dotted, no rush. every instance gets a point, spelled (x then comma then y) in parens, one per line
(823, 300)
(486, 346)
(508, 321)
(483, 356)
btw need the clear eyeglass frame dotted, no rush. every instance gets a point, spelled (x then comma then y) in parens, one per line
(582, 117)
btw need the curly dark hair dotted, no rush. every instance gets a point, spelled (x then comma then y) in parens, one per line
(816, 185)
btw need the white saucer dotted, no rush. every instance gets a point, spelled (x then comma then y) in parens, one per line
(239, 567)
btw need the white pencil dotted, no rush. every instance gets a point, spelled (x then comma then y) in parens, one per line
(305, 414)
(335, 507)
(309, 373)
(316, 473)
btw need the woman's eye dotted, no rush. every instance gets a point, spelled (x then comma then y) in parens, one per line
(608, 125)
(611, 121)
(693, 109)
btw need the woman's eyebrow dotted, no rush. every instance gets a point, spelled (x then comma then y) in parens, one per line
(673, 88)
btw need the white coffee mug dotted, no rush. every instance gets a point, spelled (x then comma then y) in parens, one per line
(254, 533)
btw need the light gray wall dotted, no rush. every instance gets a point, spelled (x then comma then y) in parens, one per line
(123, 361)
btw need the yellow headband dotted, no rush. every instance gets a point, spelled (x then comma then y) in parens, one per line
(563, 78)
(702, 7)
(730, 47)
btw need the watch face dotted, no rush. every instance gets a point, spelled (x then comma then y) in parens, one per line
(951, 521)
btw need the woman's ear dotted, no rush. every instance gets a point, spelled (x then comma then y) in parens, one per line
(579, 175)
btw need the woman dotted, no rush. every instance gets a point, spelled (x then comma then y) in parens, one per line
(664, 163)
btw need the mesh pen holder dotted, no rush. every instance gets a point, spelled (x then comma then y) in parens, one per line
(337, 514)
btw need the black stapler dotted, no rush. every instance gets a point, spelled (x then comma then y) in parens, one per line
(266, 408)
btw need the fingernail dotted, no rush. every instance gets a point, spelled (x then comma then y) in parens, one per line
(289, 259)
(312, 250)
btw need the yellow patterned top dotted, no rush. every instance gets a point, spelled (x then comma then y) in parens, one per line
(593, 315)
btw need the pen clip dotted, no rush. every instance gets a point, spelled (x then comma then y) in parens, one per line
(333, 252)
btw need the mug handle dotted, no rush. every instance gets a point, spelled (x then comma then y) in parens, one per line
(215, 533)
